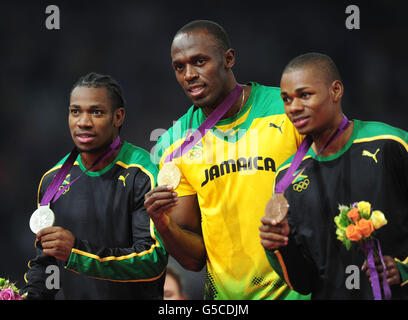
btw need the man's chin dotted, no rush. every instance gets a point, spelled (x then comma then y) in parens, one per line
(92, 149)
(88, 149)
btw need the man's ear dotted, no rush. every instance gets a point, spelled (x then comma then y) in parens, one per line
(229, 58)
(118, 117)
(336, 90)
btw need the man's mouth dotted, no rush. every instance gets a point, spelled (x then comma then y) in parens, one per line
(85, 137)
(196, 91)
(300, 122)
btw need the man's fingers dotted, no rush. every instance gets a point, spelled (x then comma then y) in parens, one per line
(267, 228)
(158, 205)
(269, 221)
(273, 237)
(47, 231)
(270, 225)
(272, 245)
(49, 244)
(156, 196)
(48, 237)
(165, 208)
(158, 190)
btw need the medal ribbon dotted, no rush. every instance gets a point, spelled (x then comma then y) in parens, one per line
(300, 153)
(368, 248)
(52, 193)
(208, 123)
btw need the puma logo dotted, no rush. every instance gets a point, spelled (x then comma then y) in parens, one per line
(123, 179)
(371, 155)
(276, 126)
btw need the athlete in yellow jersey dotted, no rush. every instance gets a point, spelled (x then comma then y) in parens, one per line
(214, 214)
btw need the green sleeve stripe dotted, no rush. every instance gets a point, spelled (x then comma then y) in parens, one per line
(117, 280)
(403, 270)
(276, 261)
(147, 265)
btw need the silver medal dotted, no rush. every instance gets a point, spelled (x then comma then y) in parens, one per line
(41, 218)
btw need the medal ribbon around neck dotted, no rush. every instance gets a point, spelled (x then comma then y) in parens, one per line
(300, 153)
(208, 123)
(52, 193)
(277, 207)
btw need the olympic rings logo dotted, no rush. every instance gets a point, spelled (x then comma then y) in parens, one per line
(195, 154)
(301, 185)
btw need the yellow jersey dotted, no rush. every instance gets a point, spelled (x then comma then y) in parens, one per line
(231, 170)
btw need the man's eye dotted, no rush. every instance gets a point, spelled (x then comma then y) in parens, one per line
(305, 94)
(178, 67)
(200, 62)
(97, 112)
(74, 112)
(285, 99)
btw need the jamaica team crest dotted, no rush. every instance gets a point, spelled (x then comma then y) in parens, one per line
(301, 182)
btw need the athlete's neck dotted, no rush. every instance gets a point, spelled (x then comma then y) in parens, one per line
(320, 140)
(236, 107)
(89, 158)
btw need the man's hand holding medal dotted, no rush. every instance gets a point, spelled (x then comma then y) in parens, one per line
(275, 229)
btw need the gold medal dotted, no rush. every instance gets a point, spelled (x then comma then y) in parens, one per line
(169, 175)
(277, 207)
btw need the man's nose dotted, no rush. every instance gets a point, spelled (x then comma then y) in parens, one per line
(295, 105)
(85, 120)
(191, 73)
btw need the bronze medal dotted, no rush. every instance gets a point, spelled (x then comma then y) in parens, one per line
(277, 207)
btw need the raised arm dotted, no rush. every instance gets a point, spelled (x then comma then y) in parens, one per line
(178, 221)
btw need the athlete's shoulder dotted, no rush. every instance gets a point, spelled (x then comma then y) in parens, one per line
(48, 176)
(177, 132)
(134, 156)
(266, 100)
(285, 165)
(55, 166)
(374, 130)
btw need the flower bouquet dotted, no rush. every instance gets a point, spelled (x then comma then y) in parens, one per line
(8, 291)
(357, 223)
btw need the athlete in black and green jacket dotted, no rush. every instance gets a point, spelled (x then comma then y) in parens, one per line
(103, 241)
(367, 162)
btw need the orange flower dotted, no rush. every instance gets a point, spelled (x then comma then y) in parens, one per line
(365, 227)
(354, 215)
(352, 233)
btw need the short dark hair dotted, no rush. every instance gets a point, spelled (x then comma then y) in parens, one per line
(96, 80)
(314, 59)
(213, 28)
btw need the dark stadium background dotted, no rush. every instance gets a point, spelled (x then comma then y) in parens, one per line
(131, 41)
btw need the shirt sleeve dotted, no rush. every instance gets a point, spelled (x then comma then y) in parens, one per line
(145, 260)
(291, 264)
(403, 270)
(36, 276)
(397, 167)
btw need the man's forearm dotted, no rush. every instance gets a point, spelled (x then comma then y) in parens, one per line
(185, 246)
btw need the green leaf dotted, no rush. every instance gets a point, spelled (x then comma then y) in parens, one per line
(344, 221)
(347, 243)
